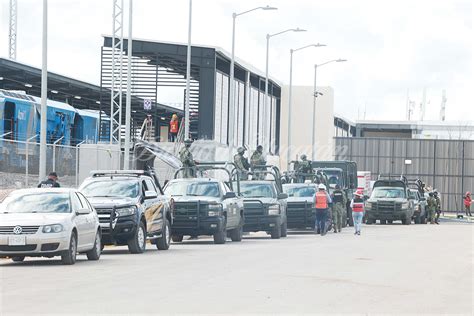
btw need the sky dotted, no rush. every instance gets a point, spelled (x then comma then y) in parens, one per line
(393, 48)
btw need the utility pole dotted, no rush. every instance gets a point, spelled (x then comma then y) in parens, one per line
(12, 30)
(128, 101)
(44, 93)
(188, 74)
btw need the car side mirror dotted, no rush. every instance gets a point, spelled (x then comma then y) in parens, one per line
(150, 195)
(230, 195)
(282, 196)
(83, 211)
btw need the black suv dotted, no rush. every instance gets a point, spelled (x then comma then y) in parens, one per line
(265, 203)
(131, 208)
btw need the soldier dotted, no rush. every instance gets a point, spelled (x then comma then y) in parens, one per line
(187, 160)
(241, 163)
(431, 203)
(304, 166)
(257, 160)
(438, 206)
(338, 208)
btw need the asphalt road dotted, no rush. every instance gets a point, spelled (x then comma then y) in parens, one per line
(388, 269)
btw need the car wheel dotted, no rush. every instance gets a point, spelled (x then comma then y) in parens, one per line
(220, 237)
(236, 234)
(138, 243)
(284, 229)
(18, 258)
(163, 243)
(94, 253)
(383, 222)
(177, 238)
(69, 256)
(370, 221)
(276, 232)
(417, 219)
(406, 221)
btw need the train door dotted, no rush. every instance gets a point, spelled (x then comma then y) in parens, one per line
(77, 131)
(9, 120)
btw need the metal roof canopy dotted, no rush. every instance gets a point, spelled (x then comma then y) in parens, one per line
(19, 76)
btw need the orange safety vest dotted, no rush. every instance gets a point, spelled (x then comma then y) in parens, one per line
(174, 127)
(358, 207)
(467, 200)
(321, 200)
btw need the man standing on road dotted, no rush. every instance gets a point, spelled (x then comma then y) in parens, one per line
(467, 203)
(187, 160)
(438, 207)
(358, 208)
(338, 207)
(322, 202)
(256, 161)
(241, 163)
(51, 182)
(431, 203)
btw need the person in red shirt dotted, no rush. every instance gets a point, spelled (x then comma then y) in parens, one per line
(174, 128)
(358, 208)
(467, 203)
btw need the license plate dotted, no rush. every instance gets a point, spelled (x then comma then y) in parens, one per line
(17, 240)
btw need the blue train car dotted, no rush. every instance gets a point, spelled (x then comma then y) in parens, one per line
(20, 121)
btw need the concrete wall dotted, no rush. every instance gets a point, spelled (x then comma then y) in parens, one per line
(98, 157)
(301, 137)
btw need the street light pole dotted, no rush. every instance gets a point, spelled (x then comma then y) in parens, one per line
(313, 138)
(265, 100)
(290, 92)
(188, 74)
(44, 93)
(232, 107)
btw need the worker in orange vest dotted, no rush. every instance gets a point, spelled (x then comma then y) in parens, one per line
(174, 128)
(322, 202)
(358, 208)
(467, 203)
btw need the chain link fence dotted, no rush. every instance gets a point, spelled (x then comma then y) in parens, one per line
(446, 165)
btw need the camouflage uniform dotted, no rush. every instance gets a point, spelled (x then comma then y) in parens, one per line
(431, 203)
(438, 208)
(304, 166)
(242, 165)
(187, 160)
(338, 209)
(255, 161)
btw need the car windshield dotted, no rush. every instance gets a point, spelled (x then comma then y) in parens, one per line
(111, 188)
(210, 189)
(388, 192)
(334, 177)
(305, 191)
(44, 202)
(257, 190)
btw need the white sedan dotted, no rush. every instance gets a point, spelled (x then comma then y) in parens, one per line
(47, 223)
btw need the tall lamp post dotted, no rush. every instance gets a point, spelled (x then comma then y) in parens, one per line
(288, 156)
(265, 101)
(44, 93)
(316, 66)
(188, 73)
(233, 112)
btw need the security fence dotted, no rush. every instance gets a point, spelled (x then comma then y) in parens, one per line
(446, 165)
(19, 163)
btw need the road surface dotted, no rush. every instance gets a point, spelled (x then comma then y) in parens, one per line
(388, 269)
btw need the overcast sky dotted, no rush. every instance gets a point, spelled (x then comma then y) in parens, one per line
(391, 46)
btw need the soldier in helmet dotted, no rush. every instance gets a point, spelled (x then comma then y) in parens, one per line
(187, 160)
(241, 163)
(256, 161)
(438, 206)
(431, 203)
(338, 208)
(304, 167)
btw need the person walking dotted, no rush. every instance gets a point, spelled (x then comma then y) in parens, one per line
(338, 207)
(467, 203)
(241, 163)
(256, 162)
(358, 208)
(51, 182)
(187, 160)
(322, 203)
(438, 206)
(431, 203)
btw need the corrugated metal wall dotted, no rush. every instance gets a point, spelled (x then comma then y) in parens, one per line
(447, 165)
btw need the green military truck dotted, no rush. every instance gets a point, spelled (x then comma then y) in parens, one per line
(343, 173)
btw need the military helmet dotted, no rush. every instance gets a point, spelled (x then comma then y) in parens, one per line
(241, 150)
(188, 141)
(259, 147)
(303, 157)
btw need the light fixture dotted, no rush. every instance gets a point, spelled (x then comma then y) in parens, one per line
(163, 118)
(340, 60)
(1, 78)
(269, 8)
(54, 91)
(299, 30)
(77, 97)
(98, 102)
(28, 85)
(133, 111)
